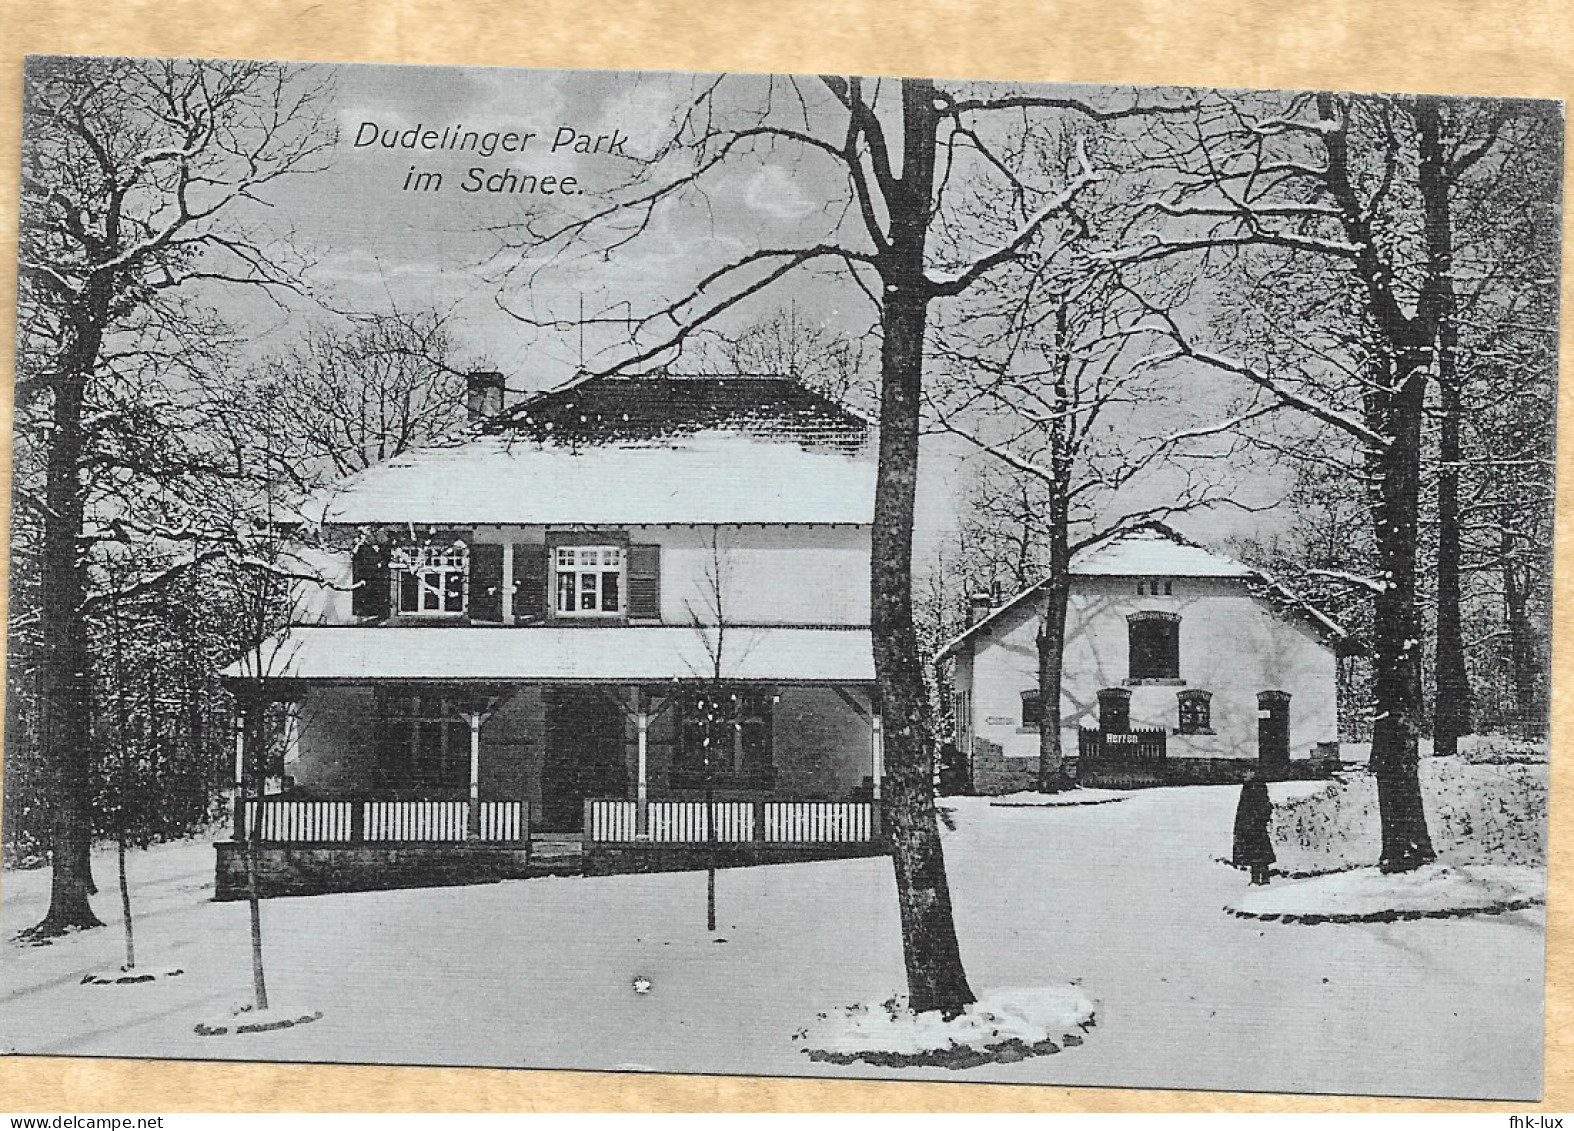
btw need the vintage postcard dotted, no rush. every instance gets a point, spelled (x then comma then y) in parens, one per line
(781, 575)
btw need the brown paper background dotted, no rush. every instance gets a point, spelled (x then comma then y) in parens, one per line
(1523, 47)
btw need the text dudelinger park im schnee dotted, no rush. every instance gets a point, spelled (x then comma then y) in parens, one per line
(565, 143)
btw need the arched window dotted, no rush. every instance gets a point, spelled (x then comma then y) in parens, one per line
(1196, 712)
(1032, 710)
(1154, 645)
(1114, 710)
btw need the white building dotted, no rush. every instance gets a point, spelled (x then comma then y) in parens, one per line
(1172, 652)
(571, 622)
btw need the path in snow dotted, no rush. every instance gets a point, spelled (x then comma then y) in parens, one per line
(1126, 899)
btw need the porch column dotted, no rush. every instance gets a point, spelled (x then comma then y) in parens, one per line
(473, 821)
(876, 752)
(642, 798)
(239, 832)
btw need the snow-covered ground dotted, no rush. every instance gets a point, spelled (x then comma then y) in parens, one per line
(1437, 890)
(1124, 900)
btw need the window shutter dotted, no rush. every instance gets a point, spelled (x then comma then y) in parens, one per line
(369, 569)
(530, 581)
(486, 582)
(644, 583)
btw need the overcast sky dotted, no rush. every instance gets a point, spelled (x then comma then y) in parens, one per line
(381, 237)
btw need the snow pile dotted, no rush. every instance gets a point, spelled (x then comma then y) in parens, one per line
(1494, 812)
(1437, 891)
(1501, 749)
(1030, 799)
(248, 1019)
(132, 977)
(1003, 1026)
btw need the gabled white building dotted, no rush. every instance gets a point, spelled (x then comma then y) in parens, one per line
(567, 626)
(1174, 654)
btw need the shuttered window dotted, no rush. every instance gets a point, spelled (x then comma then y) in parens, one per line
(486, 583)
(644, 582)
(369, 597)
(530, 582)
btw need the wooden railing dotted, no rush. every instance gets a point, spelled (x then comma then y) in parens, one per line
(775, 822)
(819, 822)
(357, 821)
(416, 820)
(313, 822)
(1131, 757)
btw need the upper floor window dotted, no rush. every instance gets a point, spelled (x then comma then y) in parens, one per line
(589, 581)
(1154, 586)
(430, 580)
(1154, 639)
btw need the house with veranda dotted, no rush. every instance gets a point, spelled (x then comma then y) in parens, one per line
(621, 624)
(1180, 665)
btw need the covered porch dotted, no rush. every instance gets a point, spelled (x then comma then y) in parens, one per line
(355, 771)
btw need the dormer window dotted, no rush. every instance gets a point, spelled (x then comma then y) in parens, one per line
(430, 580)
(589, 581)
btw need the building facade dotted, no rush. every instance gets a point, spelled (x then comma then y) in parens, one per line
(624, 623)
(1172, 653)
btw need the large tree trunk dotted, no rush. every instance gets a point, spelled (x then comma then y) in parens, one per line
(1451, 702)
(1396, 651)
(1451, 708)
(1530, 713)
(66, 691)
(935, 977)
(1051, 656)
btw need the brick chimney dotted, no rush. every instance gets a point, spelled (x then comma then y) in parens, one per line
(978, 606)
(483, 394)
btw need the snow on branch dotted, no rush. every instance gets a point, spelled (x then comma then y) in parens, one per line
(1371, 585)
(956, 283)
(1312, 406)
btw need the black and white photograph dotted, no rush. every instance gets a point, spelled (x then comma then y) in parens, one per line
(781, 575)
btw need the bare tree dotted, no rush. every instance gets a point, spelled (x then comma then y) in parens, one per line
(137, 178)
(1341, 205)
(787, 344)
(1045, 381)
(893, 158)
(349, 394)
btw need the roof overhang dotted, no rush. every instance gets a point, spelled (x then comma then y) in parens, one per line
(623, 655)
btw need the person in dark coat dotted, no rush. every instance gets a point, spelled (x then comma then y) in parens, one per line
(1253, 848)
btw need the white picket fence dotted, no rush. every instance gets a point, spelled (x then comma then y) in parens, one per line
(777, 822)
(314, 822)
(819, 822)
(416, 821)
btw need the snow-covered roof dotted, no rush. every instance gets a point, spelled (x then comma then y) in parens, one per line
(1155, 550)
(592, 655)
(706, 477)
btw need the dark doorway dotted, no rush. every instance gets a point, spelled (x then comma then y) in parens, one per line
(1115, 710)
(583, 757)
(1273, 727)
